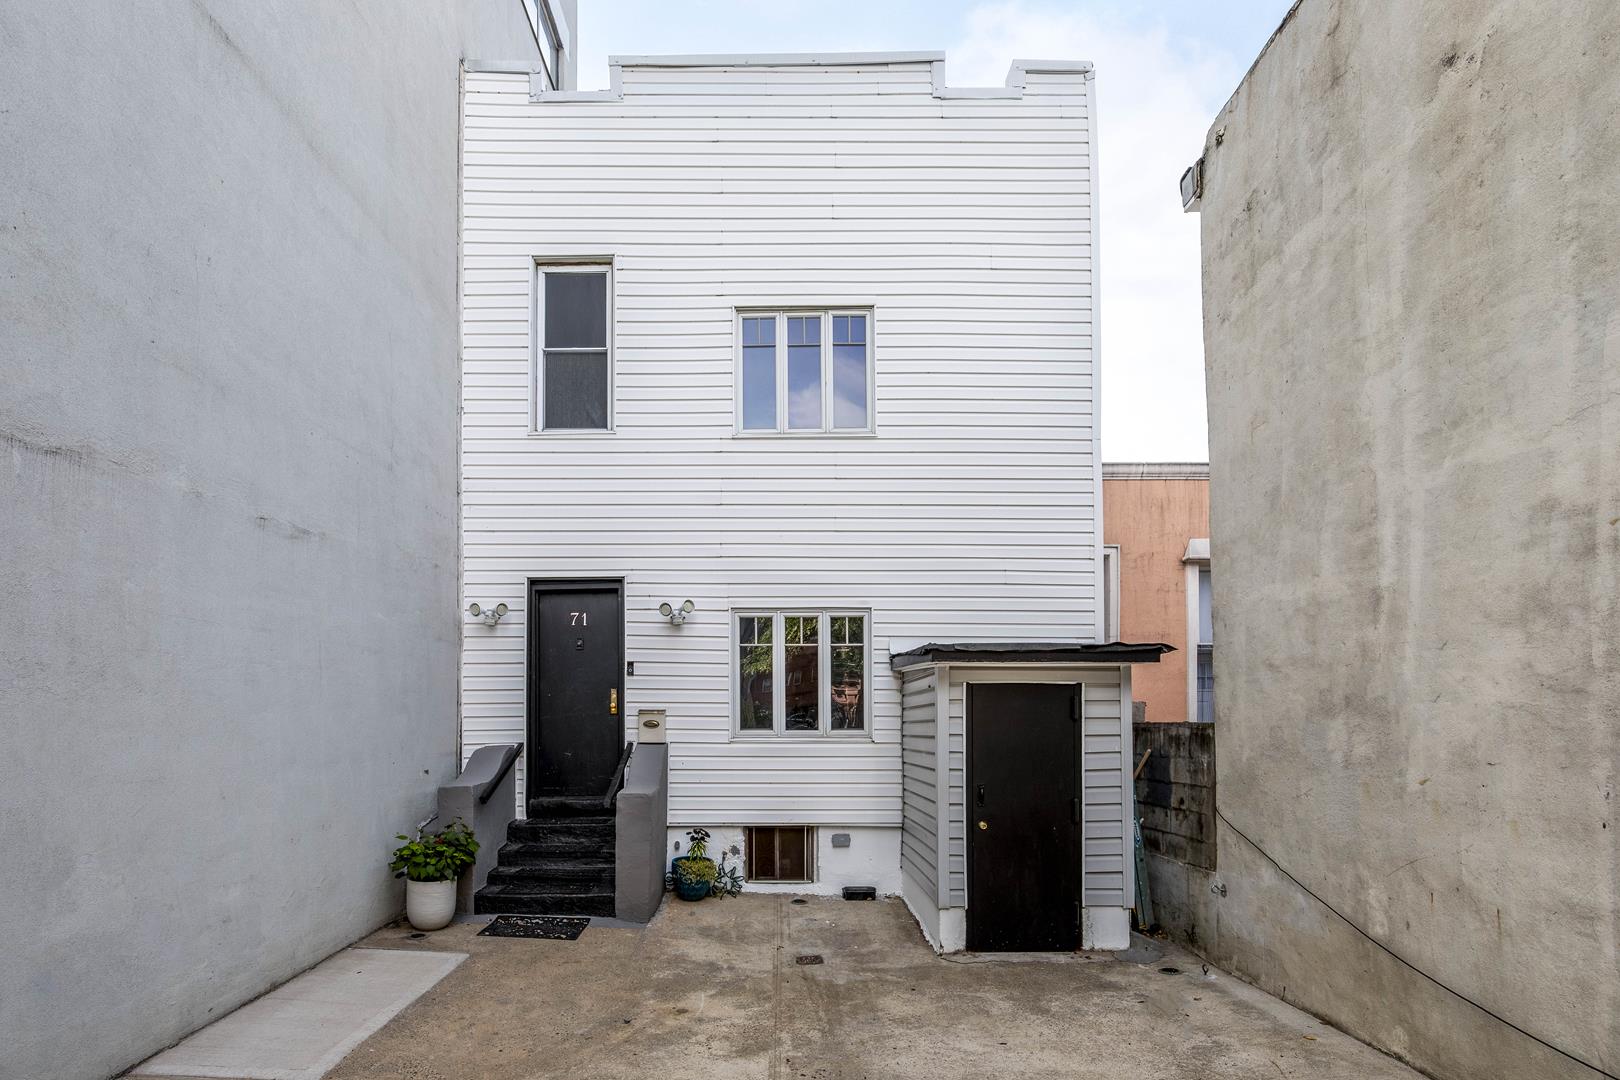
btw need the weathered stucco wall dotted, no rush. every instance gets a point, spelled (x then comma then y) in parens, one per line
(1413, 338)
(1151, 520)
(228, 385)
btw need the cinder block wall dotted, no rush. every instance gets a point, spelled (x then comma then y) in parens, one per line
(228, 549)
(1413, 345)
(1175, 792)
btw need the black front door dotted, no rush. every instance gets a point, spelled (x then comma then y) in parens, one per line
(1023, 817)
(576, 658)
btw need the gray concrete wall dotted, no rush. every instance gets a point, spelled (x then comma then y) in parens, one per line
(641, 823)
(1413, 339)
(481, 798)
(228, 388)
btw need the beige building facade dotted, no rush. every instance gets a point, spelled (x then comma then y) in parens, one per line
(1156, 535)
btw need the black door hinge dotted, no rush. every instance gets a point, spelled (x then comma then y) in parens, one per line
(1074, 809)
(1074, 708)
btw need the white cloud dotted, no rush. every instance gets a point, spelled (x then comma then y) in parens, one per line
(1156, 96)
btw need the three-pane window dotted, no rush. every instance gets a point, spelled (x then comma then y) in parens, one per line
(801, 672)
(574, 383)
(805, 372)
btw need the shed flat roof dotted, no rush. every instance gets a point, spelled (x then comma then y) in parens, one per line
(1031, 652)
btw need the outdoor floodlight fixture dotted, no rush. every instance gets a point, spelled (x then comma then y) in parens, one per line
(676, 615)
(491, 615)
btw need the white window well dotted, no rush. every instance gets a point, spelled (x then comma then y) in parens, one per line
(573, 361)
(802, 673)
(804, 372)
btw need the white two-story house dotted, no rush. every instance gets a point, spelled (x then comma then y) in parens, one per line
(780, 446)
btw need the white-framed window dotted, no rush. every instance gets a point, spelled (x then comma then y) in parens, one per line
(804, 372)
(543, 21)
(1205, 680)
(802, 672)
(573, 348)
(1200, 634)
(1110, 592)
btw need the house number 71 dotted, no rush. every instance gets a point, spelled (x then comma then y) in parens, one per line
(579, 618)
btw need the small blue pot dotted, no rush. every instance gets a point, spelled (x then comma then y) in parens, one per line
(693, 891)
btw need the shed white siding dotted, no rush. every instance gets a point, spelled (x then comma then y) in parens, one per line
(919, 762)
(964, 224)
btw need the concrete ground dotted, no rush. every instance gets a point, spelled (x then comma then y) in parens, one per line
(714, 989)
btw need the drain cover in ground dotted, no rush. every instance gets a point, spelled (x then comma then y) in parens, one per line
(541, 926)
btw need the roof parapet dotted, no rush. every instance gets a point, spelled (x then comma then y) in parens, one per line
(1013, 89)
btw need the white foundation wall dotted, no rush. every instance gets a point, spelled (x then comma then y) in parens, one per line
(872, 858)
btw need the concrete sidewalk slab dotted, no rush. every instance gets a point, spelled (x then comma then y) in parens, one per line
(299, 1031)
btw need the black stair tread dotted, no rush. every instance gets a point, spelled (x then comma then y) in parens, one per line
(538, 828)
(560, 871)
(543, 854)
(543, 884)
(568, 806)
(505, 900)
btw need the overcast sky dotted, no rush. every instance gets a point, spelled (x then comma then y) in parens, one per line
(1163, 69)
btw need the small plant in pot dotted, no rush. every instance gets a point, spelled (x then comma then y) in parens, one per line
(430, 865)
(694, 873)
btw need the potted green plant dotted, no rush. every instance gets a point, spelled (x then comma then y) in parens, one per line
(694, 873)
(430, 865)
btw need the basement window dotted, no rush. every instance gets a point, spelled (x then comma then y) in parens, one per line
(780, 853)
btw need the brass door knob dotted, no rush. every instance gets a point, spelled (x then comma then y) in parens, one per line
(984, 824)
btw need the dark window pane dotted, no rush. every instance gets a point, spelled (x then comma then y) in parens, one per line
(848, 688)
(849, 386)
(804, 387)
(576, 311)
(755, 686)
(803, 679)
(575, 390)
(791, 861)
(759, 388)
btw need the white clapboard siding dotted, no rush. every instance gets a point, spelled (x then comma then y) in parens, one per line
(919, 731)
(971, 514)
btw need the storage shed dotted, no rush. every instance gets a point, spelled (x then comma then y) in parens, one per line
(1017, 803)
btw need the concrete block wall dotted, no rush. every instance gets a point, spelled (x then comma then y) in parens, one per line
(1175, 793)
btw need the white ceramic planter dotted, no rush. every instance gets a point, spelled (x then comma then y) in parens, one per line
(430, 905)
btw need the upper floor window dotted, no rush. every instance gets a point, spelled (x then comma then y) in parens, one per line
(805, 371)
(542, 20)
(573, 369)
(801, 672)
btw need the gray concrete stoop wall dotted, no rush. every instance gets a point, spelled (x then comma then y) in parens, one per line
(228, 554)
(1412, 335)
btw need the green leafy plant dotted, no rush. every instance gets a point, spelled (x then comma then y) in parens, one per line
(727, 881)
(440, 856)
(693, 872)
(697, 843)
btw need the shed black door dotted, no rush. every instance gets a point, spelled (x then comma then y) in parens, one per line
(575, 689)
(1023, 849)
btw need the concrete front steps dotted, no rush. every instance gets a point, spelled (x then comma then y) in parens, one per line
(557, 861)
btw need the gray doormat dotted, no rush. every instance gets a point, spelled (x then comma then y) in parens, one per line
(555, 927)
